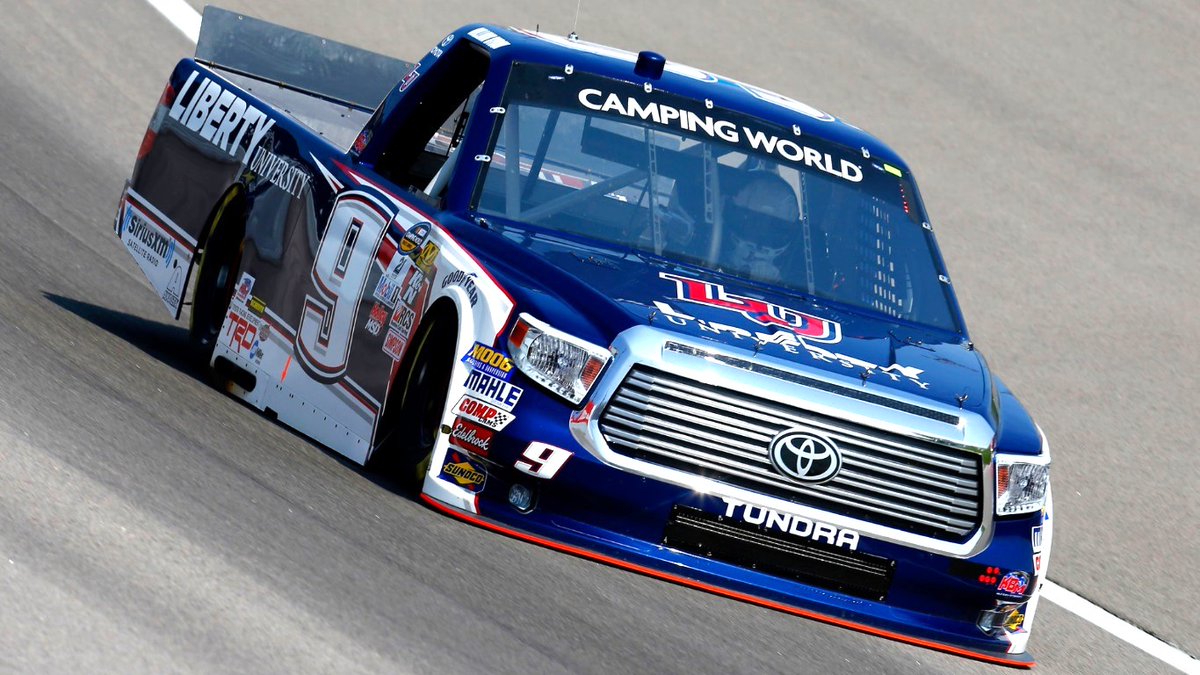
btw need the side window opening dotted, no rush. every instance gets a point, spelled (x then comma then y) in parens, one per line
(431, 129)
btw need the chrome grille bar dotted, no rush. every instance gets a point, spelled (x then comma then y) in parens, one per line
(911, 484)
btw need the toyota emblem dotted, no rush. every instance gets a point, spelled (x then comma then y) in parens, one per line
(805, 456)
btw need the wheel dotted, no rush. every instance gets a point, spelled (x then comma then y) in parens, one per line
(412, 418)
(216, 279)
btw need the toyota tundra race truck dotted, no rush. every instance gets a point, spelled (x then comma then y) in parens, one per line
(607, 303)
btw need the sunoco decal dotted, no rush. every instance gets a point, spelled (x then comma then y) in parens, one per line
(461, 470)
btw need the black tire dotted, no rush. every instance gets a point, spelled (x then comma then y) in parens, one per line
(216, 278)
(412, 419)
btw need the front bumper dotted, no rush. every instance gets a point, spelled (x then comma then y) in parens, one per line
(622, 516)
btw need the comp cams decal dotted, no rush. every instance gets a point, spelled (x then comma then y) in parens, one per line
(790, 524)
(483, 413)
(218, 115)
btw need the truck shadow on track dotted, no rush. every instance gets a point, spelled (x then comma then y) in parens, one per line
(171, 345)
(163, 342)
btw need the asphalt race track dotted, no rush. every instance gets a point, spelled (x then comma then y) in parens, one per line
(150, 524)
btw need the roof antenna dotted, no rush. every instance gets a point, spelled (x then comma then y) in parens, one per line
(573, 35)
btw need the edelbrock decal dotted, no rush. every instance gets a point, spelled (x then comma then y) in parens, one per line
(471, 436)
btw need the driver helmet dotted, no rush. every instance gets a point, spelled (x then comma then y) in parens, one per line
(762, 219)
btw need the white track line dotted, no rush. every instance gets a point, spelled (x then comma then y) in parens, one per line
(1105, 620)
(181, 15)
(187, 20)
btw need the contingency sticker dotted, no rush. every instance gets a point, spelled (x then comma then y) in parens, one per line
(461, 470)
(484, 413)
(493, 390)
(488, 360)
(161, 249)
(471, 436)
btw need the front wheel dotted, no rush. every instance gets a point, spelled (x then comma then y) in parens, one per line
(412, 418)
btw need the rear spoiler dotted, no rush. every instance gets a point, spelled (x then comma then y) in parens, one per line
(296, 60)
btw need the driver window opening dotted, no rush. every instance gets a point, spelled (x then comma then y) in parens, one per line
(421, 155)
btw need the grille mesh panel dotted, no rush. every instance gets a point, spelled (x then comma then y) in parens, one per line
(912, 485)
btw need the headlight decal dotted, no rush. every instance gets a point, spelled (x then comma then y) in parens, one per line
(560, 362)
(1021, 483)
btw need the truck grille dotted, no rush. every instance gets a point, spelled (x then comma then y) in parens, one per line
(920, 487)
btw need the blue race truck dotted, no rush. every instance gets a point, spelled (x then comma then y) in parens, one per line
(607, 303)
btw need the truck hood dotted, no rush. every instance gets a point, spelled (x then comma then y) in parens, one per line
(762, 322)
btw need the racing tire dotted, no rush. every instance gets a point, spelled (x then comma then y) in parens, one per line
(412, 418)
(216, 278)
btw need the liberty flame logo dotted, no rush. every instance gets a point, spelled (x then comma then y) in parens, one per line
(766, 313)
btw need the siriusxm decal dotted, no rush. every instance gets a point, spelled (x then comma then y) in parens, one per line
(156, 248)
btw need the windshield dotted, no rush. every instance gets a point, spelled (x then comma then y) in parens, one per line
(604, 159)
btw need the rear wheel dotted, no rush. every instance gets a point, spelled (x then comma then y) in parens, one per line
(412, 419)
(216, 279)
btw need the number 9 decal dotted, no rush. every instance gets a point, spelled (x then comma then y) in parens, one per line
(357, 223)
(542, 460)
